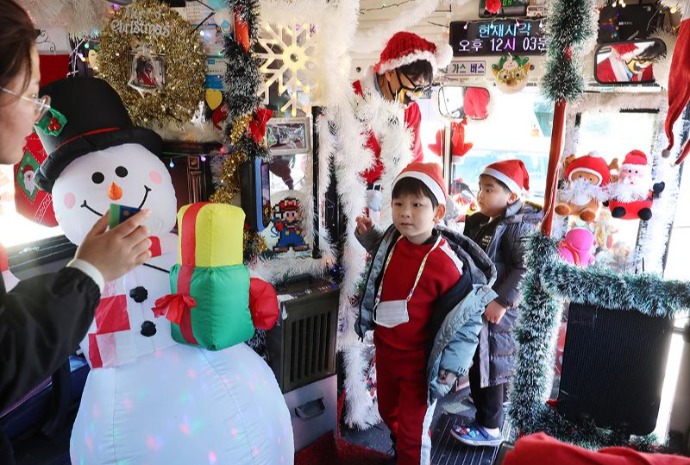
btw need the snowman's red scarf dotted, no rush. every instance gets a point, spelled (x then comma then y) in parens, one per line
(111, 317)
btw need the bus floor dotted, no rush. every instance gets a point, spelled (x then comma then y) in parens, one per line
(445, 449)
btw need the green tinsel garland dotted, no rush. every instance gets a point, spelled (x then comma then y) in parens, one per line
(547, 282)
(242, 81)
(569, 26)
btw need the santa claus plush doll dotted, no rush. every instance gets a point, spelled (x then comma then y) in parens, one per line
(584, 187)
(631, 196)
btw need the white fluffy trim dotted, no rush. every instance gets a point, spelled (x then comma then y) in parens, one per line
(573, 191)
(406, 60)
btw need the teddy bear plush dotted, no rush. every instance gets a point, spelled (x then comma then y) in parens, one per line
(584, 186)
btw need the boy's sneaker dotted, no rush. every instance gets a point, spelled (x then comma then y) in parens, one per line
(475, 435)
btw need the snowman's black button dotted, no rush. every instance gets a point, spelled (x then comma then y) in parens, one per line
(139, 294)
(148, 328)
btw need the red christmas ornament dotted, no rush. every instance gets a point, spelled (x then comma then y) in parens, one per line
(257, 126)
(219, 115)
(241, 32)
(493, 6)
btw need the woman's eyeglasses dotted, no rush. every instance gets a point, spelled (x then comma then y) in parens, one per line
(42, 104)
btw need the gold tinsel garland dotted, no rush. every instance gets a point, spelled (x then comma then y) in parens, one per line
(229, 178)
(153, 24)
(239, 127)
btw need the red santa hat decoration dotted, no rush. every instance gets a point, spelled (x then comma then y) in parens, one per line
(405, 48)
(512, 173)
(428, 173)
(679, 83)
(635, 159)
(591, 164)
(625, 51)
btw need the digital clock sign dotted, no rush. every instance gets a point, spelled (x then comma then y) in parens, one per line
(497, 37)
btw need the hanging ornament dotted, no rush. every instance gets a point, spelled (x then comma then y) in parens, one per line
(287, 54)
(493, 6)
(241, 31)
(257, 126)
(155, 61)
(29, 200)
(512, 73)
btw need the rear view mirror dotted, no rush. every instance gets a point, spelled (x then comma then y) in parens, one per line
(457, 102)
(628, 62)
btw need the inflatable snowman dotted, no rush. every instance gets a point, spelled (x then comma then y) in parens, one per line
(147, 400)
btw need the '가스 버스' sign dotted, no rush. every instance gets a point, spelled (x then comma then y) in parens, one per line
(497, 37)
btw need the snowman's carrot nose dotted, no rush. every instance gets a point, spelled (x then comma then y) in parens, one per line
(114, 192)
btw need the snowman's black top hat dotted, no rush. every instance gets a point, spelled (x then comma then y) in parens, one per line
(96, 120)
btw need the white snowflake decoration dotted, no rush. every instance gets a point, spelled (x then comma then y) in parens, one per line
(288, 57)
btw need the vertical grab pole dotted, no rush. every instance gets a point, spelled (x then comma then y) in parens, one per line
(554, 158)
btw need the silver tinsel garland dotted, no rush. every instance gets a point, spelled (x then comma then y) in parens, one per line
(549, 281)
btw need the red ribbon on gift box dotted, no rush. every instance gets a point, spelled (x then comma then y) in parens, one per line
(174, 306)
(177, 307)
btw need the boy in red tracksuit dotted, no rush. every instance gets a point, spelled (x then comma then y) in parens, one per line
(414, 265)
(404, 72)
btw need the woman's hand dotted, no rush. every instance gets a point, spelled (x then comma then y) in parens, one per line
(115, 252)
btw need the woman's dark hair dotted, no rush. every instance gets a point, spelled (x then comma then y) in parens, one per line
(417, 69)
(412, 186)
(17, 37)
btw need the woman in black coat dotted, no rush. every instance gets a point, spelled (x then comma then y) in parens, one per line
(43, 318)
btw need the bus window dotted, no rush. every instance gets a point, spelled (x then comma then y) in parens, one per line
(519, 126)
(613, 135)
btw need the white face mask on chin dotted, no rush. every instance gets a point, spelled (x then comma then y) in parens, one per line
(391, 313)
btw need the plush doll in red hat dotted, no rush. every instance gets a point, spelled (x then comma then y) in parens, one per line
(404, 72)
(584, 187)
(631, 196)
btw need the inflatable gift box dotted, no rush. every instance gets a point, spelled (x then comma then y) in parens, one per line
(209, 304)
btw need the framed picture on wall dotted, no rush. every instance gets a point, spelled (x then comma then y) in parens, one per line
(288, 136)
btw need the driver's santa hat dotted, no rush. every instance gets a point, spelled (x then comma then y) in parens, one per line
(625, 51)
(405, 48)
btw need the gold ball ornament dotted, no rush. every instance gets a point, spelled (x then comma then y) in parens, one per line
(152, 26)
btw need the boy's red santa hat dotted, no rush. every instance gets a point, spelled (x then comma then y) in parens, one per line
(679, 83)
(428, 173)
(635, 159)
(512, 173)
(590, 164)
(405, 48)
